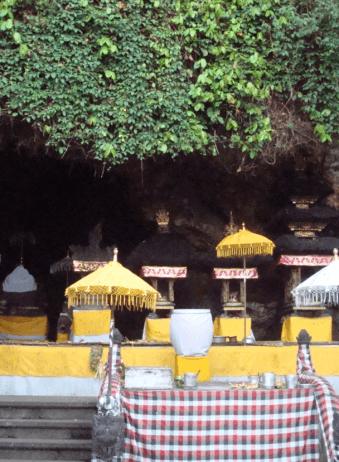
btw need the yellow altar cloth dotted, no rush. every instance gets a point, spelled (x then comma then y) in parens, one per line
(158, 329)
(320, 329)
(193, 364)
(239, 360)
(23, 326)
(73, 360)
(62, 337)
(91, 322)
(232, 327)
(47, 360)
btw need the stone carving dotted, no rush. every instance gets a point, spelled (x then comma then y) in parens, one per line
(171, 290)
(293, 281)
(64, 323)
(107, 437)
(304, 337)
(234, 296)
(231, 228)
(93, 252)
(162, 218)
(225, 292)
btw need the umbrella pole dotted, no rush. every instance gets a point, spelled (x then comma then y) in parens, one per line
(245, 298)
(110, 357)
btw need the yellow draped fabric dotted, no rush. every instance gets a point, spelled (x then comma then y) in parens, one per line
(320, 329)
(24, 325)
(91, 322)
(244, 243)
(232, 327)
(46, 361)
(53, 360)
(112, 285)
(158, 330)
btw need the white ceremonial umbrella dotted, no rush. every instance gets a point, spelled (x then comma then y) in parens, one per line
(322, 287)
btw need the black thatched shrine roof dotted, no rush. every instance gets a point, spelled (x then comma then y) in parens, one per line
(163, 249)
(289, 244)
(291, 214)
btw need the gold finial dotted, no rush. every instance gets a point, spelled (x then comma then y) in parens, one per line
(162, 218)
(335, 251)
(115, 254)
(231, 228)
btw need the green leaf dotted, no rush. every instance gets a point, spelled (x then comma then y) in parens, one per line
(17, 37)
(110, 75)
(23, 50)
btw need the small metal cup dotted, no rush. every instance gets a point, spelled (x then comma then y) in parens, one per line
(267, 380)
(190, 380)
(291, 380)
(254, 379)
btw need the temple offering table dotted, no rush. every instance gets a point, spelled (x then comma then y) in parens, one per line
(91, 325)
(320, 329)
(157, 329)
(232, 327)
(220, 425)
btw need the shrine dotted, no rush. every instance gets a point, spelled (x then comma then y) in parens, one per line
(163, 259)
(90, 322)
(23, 308)
(300, 254)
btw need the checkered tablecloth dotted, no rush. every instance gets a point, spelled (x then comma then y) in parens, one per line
(326, 399)
(220, 425)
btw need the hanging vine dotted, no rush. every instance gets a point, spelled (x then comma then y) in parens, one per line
(112, 80)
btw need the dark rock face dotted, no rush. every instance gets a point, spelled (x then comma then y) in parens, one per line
(264, 317)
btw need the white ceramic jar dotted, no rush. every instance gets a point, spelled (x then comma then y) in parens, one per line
(191, 331)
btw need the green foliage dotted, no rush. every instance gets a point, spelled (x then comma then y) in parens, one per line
(146, 77)
(307, 61)
(230, 47)
(106, 76)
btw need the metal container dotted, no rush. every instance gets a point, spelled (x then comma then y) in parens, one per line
(156, 378)
(267, 380)
(254, 379)
(190, 380)
(219, 339)
(291, 380)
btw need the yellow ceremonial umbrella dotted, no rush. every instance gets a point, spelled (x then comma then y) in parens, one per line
(116, 286)
(244, 243)
(112, 285)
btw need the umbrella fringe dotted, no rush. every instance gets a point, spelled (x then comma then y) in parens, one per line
(118, 301)
(316, 295)
(243, 250)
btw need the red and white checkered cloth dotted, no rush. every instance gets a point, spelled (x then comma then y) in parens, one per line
(116, 367)
(220, 425)
(326, 399)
